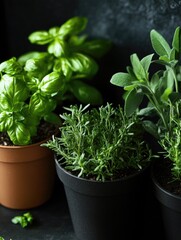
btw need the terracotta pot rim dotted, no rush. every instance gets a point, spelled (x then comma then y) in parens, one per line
(25, 146)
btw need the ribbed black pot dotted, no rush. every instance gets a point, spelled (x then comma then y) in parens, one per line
(105, 210)
(170, 207)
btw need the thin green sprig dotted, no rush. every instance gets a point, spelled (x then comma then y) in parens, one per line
(100, 142)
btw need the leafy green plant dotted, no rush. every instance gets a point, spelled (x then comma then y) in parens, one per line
(100, 143)
(75, 56)
(24, 220)
(162, 90)
(34, 84)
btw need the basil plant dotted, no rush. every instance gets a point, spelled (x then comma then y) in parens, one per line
(75, 56)
(33, 84)
(25, 101)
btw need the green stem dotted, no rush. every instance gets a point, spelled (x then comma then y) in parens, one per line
(156, 105)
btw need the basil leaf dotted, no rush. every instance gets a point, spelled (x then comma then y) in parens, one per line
(24, 57)
(38, 67)
(40, 37)
(40, 105)
(86, 93)
(19, 134)
(51, 83)
(53, 118)
(6, 121)
(95, 48)
(62, 64)
(10, 66)
(73, 26)
(12, 91)
(58, 48)
(83, 64)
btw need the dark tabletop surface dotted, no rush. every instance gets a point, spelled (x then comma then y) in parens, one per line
(52, 221)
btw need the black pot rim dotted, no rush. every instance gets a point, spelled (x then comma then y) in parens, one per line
(90, 187)
(165, 197)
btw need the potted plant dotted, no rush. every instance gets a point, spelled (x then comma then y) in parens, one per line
(101, 158)
(161, 119)
(32, 86)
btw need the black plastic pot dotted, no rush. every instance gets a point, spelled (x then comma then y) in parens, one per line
(105, 210)
(170, 207)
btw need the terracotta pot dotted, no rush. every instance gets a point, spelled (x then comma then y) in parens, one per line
(27, 175)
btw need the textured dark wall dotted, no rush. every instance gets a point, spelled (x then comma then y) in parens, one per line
(126, 22)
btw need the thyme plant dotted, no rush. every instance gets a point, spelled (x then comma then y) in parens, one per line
(100, 143)
(162, 91)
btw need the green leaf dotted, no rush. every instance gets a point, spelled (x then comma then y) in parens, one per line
(85, 93)
(51, 83)
(11, 67)
(53, 118)
(24, 220)
(73, 26)
(155, 81)
(29, 55)
(133, 101)
(159, 44)
(151, 128)
(19, 134)
(176, 44)
(166, 81)
(40, 105)
(40, 37)
(173, 54)
(38, 66)
(138, 69)
(164, 58)
(146, 61)
(54, 31)
(62, 64)
(6, 121)
(83, 64)
(95, 48)
(58, 48)
(121, 79)
(12, 91)
(148, 111)
(165, 96)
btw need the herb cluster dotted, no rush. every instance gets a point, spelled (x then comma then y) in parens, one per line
(34, 84)
(162, 90)
(100, 143)
(24, 220)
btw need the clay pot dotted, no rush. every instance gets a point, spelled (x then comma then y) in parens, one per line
(27, 175)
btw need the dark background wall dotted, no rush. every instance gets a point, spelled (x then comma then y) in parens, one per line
(127, 23)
